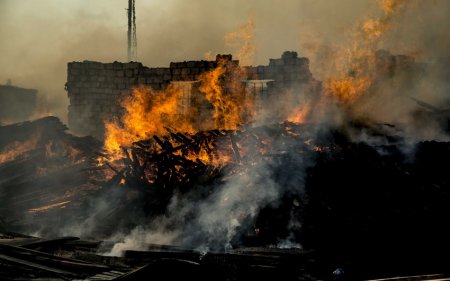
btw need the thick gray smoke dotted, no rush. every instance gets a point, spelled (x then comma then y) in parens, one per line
(413, 29)
(214, 223)
(217, 220)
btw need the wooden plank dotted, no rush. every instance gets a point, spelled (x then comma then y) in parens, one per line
(48, 243)
(35, 265)
(41, 257)
(431, 277)
(18, 241)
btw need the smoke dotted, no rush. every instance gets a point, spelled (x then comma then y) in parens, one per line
(216, 217)
(354, 64)
(243, 40)
(38, 39)
(414, 31)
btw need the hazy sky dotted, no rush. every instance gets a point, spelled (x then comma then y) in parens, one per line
(39, 37)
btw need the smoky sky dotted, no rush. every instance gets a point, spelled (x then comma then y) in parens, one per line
(38, 38)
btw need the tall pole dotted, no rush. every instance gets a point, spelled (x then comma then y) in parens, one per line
(132, 42)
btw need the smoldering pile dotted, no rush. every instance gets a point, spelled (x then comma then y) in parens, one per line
(180, 162)
(314, 186)
(313, 172)
(43, 169)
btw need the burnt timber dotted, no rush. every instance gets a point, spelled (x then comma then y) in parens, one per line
(365, 214)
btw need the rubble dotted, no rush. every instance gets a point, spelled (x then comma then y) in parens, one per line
(361, 200)
(75, 259)
(363, 207)
(48, 168)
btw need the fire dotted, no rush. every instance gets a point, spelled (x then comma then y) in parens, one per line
(299, 114)
(208, 56)
(58, 148)
(389, 6)
(218, 159)
(359, 63)
(202, 155)
(147, 112)
(348, 89)
(16, 149)
(226, 112)
(48, 207)
(373, 28)
(243, 41)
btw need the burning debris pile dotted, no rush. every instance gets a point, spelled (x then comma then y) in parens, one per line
(358, 205)
(42, 169)
(179, 161)
(249, 171)
(331, 179)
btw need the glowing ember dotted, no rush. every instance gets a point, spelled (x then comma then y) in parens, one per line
(16, 149)
(300, 114)
(48, 207)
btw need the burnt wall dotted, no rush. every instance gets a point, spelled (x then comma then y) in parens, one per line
(16, 104)
(94, 91)
(95, 88)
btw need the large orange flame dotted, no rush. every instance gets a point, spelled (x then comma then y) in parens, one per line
(359, 63)
(147, 112)
(226, 112)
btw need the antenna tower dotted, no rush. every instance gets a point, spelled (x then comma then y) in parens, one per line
(132, 42)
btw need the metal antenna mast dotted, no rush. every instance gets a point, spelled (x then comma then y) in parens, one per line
(132, 42)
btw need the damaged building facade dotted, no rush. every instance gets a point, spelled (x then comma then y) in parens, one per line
(95, 89)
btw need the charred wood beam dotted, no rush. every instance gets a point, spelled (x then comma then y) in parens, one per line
(119, 173)
(235, 149)
(127, 160)
(43, 259)
(49, 244)
(36, 266)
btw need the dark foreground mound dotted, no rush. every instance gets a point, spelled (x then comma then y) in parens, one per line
(359, 210)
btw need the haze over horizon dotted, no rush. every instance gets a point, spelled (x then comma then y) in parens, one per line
(40, 37)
